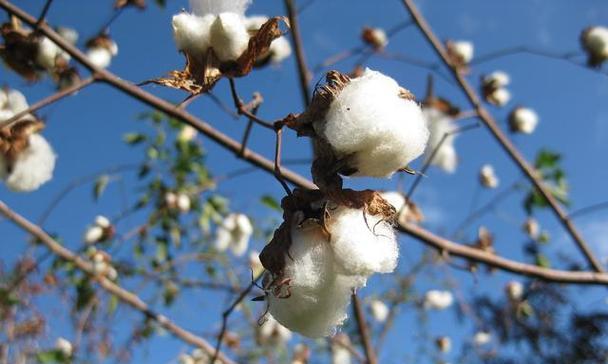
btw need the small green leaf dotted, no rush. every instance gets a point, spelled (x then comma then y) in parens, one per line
(51, 356)
(100, 186)
(133, 138)
(271, 203)
(543, 261)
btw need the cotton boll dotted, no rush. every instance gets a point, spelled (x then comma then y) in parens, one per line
(33, 166)
(438, 300)
(187, 134)
(64, 346)
(363, 244)
(273, 333)
(441, 128)
(514, 290)
(234, 233)
(482, 338)
(47, 53)
(375, 37)
(183, 202)
(192, 33)
(379, 310)
(100, 57)
(69, 34)
(185, 359)
(531, 228)
(463, 50)
(595, 42)
(102, 222)
(229, 36)
(93, 234)
(444, 344)
(523, 120)
(280, 49)
(497, 78)
(487, 177)
(16, 101)
(500, 97)
(371, 121)
(216, 7)
(396, 199)
(340, 354)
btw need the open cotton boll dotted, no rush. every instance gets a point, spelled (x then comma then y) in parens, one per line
(482, 338)
(487, 176)
(497, 78)
(379, 310)
(500, 97)
(463, 50)
(100, 57)
(514, 290)
(102, 222)
(33, 166)
(280, 49)
(183, 202)
(48, 52)
(523, 120)
(93, 234)
(64, 347)
(362, 243)
(595, 42)
(69, 34)
(229, 36)
(441, 128)
(438, 300)
(370, 121)
(375, 37)
(192, 33)
(216, 7)
(234, 233)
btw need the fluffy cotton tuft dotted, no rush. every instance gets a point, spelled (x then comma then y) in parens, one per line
(523, 120)
(396, 199)
(482, 338)
(192, 33)
(463, 50)
(216, 7)
(64, 346)
(379, 310)
(438, 300)
(487, 177)
(369, 120)
(514, 290)
(234, 233)
(362, 244)
(229, 36)
(441, 127)
(273, 333)
(48, 52)
(33, 166)
(183, 202)
(497, 78)
(595, 42)
(100, 57)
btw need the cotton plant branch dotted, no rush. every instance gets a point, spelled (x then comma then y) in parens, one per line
(501, 138)
(45, 10)
(363, 329)
(122, 294)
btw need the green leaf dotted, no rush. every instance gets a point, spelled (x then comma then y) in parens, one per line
(100, 186)
(547, 159)
(51, 356)
(113, 304)
(543, 261)
(161, 3)
(134, 138)
(271, 203)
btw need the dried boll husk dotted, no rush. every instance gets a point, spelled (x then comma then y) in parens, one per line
(326, 248)
(365, 126)
(20, 50)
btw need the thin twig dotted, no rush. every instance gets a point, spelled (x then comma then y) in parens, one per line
(588, 209)
(242, 110)
(368, 349)
(501, 138)
(42, 17)
(122, 294)
(303, 72)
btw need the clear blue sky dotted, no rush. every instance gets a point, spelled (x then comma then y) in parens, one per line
(86, 131)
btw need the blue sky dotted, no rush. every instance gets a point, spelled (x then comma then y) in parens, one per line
(86, 129)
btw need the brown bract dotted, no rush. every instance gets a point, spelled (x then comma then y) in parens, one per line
(101, 41)
(141, 4)
(200, 75)
(19, 50)
(14, 138)
(306, 208)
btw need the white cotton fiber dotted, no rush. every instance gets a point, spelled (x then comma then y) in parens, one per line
(100, 57)
(523, 120)
(234, 233)
(192, 33)
(33, 166)
(362, 244)
(16, 101)
(369, 119)
(216, 7)
(47, 53)
(438, 300)
(463, 50)
(396, 199)
(280, 49)
(273, 333)
(596, 41)
(379, 310)
(229, 36)
(440, 124)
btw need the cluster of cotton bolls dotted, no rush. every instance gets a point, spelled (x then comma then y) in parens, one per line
(102, 263)
(178, 201)
(27, 160)
(101, 230)
(221, 25)
(523, 120)
(365, 126)
(234, 233)
(321, 254)
(487, 177)
(595, 42)
(101, 49)
(494, 88)
(441, 141)
(437, 300)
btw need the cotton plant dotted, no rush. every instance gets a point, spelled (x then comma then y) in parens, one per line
(494, 88)
(101, 50)
(437, 300)
(595, 42)
(101, 230)
(363, 126)
(324, 251)
(27, 160)
(523, 120)
(487, 177)
(234, 233)
(441, 141)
